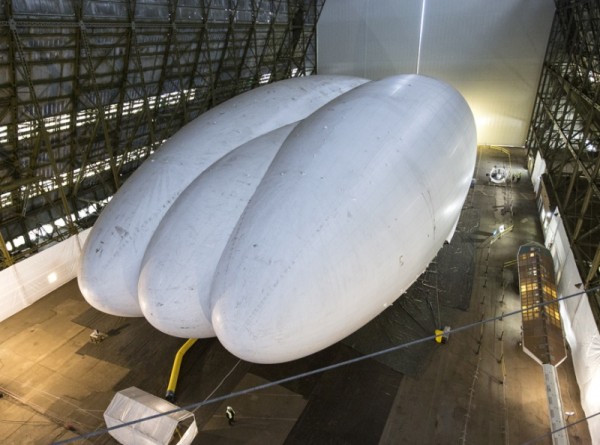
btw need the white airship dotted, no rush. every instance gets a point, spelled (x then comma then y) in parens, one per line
(300, 234)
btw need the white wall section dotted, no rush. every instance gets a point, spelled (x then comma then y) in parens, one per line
(33, 278)
(490, 51)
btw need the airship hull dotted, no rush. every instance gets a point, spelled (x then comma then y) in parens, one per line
(285, 238)
(357, 202)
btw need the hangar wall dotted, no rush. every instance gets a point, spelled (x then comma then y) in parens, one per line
(492, 52)
(565, 132)
(27, 281)
(579, 325)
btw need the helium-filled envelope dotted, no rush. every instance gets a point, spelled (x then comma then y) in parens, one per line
(357, 202)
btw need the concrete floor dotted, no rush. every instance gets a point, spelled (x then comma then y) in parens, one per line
(479, 388)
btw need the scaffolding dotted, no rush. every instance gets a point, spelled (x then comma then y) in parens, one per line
(565, 131)
(90, 88)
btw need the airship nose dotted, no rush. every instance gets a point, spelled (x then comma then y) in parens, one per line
(273, 313)
(107, 295)
(229, 330)
(183, 316)
(238, 326)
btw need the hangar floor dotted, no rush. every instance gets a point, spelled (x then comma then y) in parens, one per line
(478, 388)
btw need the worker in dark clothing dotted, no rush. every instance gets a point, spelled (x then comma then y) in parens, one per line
(230, 414)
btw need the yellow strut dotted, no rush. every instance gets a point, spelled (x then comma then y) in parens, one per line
(170, 396)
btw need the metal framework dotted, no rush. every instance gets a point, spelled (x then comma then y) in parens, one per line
(90, 88)
(565, 130)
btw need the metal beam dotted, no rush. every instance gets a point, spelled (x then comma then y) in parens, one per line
(91, 72)
(42, 135)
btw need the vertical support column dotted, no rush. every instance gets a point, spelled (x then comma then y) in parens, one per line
(7, 261)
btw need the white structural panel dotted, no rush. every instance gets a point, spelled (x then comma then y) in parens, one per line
(304, 233)
(490, 51)
(110, 267)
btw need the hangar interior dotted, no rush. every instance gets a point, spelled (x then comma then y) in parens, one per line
(90, 88)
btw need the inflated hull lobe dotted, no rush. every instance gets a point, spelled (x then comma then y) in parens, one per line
(359, 197)
(177, 271)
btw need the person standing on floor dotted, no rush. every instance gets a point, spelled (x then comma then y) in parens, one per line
(230, 414)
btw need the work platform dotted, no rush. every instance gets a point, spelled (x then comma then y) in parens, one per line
(478, 388)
